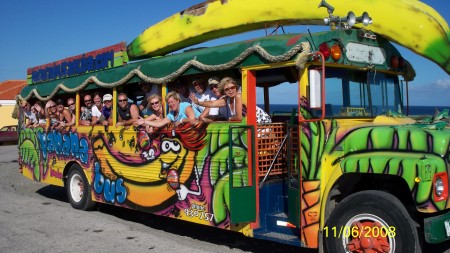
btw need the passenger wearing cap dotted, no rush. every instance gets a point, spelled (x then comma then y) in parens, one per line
(106, 118)
(213, 84)
(202, 93)
(65, 116)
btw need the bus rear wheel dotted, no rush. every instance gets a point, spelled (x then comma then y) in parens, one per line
(371, 221)
(78, 189)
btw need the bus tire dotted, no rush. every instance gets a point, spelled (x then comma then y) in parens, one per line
(368, 210)
(79, 190)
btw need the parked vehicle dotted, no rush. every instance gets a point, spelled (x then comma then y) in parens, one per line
(8, 134)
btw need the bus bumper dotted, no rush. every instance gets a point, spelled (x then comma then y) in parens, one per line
(437, 228)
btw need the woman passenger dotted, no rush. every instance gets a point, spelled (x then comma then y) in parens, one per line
(232, 99)
(52, 114)
(65, 116)
(180, 112)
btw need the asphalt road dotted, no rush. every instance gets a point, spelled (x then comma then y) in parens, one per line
(35, 217)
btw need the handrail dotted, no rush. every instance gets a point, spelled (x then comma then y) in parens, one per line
(274, 159)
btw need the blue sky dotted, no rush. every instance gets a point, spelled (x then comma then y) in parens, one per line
(38, 32)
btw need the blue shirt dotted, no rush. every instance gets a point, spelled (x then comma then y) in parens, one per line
(181, 113)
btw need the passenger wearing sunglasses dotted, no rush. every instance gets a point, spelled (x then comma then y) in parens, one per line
(155, 108)
(179, 113)
(232, 99)
(65, 116)
(128, 113)
(202, 93)
(90, 114)
(106, 118)
(52, 114)
(30, 117)
(149, 89)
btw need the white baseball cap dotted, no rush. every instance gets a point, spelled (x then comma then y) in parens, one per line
(107, 97)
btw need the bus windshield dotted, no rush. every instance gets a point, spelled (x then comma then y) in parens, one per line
(355, 93)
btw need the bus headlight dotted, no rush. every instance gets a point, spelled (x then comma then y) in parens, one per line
(440, 183)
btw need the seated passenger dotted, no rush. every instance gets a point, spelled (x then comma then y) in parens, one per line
(30, 116)
(232, 99)
(127, 113)
(40, 115)
(71, 105)
(180, 112)
(90, 114)
(203, 94)
(52, 114)
(65, 117)
(98, 101)
(106, 118)
(155, 107)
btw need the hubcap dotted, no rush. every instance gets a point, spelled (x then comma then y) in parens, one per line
(76, 188)
(368, 233)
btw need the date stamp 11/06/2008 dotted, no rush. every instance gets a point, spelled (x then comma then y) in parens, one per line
(358, 232)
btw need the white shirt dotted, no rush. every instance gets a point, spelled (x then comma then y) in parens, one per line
(96, 112)
(31, 116)
(206, 96)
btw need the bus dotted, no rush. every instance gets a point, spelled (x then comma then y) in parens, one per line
(342, 167)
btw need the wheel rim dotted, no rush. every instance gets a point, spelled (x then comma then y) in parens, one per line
(367, 233)
(76, 188)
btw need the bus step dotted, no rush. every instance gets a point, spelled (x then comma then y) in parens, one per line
(278, 237)
(277, 222)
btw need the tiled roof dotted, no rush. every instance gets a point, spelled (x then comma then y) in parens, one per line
(9, 89)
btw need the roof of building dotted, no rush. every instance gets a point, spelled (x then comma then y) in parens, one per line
(9, 89)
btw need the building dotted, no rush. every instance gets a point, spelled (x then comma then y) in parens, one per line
(9, 89)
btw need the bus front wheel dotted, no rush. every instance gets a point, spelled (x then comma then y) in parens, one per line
(371, 221)
(78, 189)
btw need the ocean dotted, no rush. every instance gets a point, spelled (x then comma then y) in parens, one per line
(413, 110)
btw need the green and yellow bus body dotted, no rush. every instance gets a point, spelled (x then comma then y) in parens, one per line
(343, 166)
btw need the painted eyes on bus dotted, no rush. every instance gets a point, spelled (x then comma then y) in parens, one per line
(229, 88)
(123, 100)
(173, 146)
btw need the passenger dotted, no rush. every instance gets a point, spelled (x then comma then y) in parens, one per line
(180, 112)
(90, 114)
(224, 114)
(183, 92)
(30, 117)
(232, 99)
(203, 94)
(71, 105)
(149, 89)
(128, 113)
(98, 101)
(40, 115)
(106, 118)
(65, 117)
(52, 114)
(155, 107)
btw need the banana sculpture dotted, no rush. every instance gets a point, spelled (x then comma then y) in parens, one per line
(409, 23)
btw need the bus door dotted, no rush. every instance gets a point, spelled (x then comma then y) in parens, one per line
(303, 183)
(241, 167)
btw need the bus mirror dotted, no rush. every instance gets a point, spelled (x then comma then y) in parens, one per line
(315, 95)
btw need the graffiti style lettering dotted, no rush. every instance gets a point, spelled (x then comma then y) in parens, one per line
(198, 211)
(112, 190)
(66, 145)
(55, 173)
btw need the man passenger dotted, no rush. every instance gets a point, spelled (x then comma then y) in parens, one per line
(90, 114)
(127, 113)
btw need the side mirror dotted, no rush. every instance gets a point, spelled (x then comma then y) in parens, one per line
(315, 88)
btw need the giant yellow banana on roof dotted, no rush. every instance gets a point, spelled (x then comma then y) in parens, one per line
(409, 23)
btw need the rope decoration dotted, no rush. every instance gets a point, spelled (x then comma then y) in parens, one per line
(302, 58)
